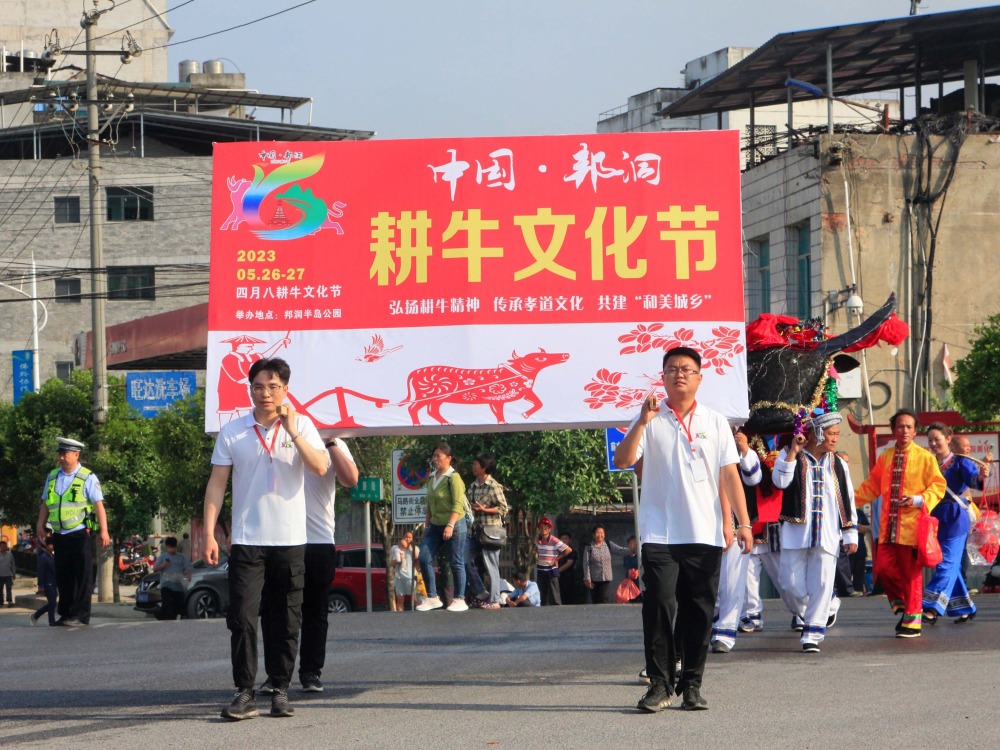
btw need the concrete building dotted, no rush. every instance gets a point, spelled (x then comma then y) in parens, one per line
(26, 26)
(909, 207)
(761, 128)
(156, 165)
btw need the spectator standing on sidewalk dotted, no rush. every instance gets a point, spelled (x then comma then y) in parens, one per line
(268, 452)
(401, 558)
(597, 569)
(8, 573)
(489, 505)
(551, 551)
(445, 527)
(46, 583)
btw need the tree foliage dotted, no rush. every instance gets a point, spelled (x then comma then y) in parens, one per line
(977, 387)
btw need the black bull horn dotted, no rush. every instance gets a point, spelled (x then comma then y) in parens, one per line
(783, 379)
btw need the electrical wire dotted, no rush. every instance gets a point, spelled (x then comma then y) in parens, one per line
(233, 28)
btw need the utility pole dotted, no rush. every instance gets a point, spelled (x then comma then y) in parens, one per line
(98, 278)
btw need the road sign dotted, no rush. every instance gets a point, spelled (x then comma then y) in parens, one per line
(24, 372)
(367, 490)
(151, 392)
(613, 436)
(409, 491)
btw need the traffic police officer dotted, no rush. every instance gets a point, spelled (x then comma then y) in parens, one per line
(73, 504)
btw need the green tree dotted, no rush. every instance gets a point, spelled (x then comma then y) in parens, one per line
(181, 443)
(977, 388)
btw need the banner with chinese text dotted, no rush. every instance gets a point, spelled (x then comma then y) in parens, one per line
(479, 283)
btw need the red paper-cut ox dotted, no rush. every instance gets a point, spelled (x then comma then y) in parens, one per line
(429, 387)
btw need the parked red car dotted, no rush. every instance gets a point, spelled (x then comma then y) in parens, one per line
(347, 589)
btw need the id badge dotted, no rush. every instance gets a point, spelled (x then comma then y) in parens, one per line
(698, 470)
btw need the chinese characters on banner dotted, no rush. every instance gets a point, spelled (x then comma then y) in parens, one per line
(486, 283)
(23, 361)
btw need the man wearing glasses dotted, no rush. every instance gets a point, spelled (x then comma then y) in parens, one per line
(691, 490)
(268, 452)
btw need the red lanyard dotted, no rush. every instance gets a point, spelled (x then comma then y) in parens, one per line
(687, 427)
(274, 439)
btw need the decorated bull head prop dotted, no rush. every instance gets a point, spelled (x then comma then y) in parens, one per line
(785, 379)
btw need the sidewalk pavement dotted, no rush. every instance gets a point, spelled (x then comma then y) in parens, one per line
(26, 597)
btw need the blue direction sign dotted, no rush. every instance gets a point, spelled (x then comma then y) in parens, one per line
(24, 372)
(152, 392)
(613, 436)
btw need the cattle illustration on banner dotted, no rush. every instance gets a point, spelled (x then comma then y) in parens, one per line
(480, 283)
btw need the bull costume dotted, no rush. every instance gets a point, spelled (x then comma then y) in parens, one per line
(817, 511)
(946, 592)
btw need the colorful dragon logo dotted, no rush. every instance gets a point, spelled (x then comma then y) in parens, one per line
(309, 214)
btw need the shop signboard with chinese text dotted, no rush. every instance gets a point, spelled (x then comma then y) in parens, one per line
(484, 284)
(152, 392)
(23, 361)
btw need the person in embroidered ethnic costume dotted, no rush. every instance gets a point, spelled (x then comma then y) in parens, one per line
(908, 479)
(817, 511)
(946, 593)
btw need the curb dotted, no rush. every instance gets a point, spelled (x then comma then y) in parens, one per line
(122, 611)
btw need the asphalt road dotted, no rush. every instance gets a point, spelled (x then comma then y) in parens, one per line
(554, 677)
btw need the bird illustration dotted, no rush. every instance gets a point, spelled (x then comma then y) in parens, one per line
(376, 350)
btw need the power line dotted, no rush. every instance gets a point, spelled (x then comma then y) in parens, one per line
(233, 28)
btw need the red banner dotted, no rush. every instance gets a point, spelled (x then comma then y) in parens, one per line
(628, 231)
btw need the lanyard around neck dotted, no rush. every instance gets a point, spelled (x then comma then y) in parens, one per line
(274, 439)
(687, 427)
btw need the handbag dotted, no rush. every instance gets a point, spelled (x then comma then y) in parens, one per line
(491, 537)
(929, 553)
(626, 591)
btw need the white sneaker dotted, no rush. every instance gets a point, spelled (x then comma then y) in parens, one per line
(458, 605)
(429, 603)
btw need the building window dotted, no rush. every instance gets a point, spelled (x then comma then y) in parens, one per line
(758, 278)
(66, 209)
(64, 370)
(800, 300)
(131, 282)
(68, 290)
(130, 203)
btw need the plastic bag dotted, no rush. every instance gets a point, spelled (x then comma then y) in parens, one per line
(626, 591)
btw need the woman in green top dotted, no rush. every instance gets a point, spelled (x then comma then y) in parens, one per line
(445, 525)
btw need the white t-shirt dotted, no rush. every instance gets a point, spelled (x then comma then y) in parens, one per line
(269, 501)
(320, 497)
(679, 503)
(799, 535)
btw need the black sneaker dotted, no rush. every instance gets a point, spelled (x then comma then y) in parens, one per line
(930, 617)
(310, 683)
(656, 698)
(831, 620)
(266, 688)
(796, 624)
(693, 700)
(244, 706)
(902, 632)
(810, 648)
(279, 703)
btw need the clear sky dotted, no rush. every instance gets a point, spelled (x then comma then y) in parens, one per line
(470, 68)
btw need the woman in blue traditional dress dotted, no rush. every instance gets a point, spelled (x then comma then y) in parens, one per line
(946, 593)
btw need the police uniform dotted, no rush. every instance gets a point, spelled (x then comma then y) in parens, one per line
(70, 501)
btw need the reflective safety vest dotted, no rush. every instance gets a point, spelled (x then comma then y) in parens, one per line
(72, 508)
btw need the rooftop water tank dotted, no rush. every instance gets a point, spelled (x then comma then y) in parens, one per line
(213, 68)
(186, 69)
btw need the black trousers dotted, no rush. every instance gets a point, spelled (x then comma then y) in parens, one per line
(49, 607)
(171, 604)
(74, 562)
(599, 594)
(682, 582)
(282, 570)
(843, 580)
(321, 564)
(548, 585)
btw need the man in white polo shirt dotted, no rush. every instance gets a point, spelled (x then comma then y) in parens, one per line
(690, 490)
(268, 452)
